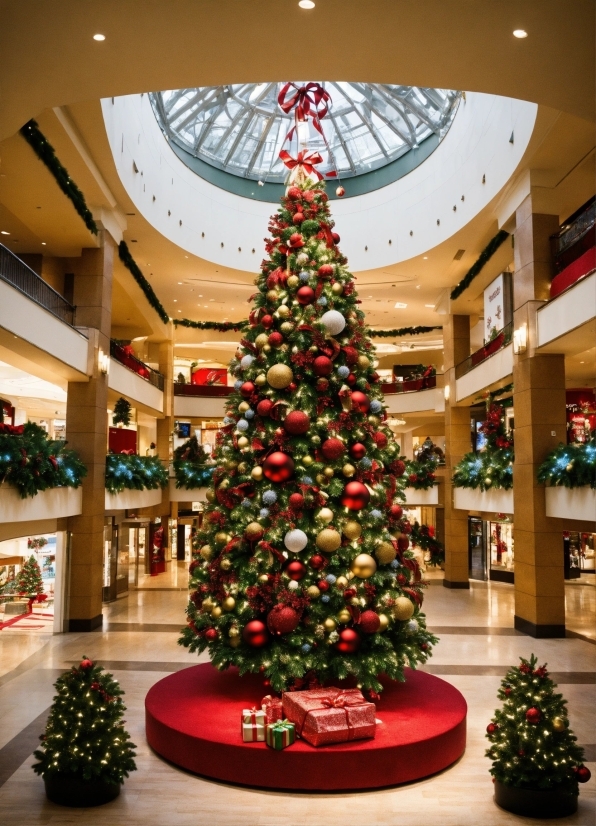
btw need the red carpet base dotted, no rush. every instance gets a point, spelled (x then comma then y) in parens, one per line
(193, 720)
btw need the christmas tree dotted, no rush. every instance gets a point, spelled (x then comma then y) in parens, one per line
(532, 745)
(30, 581)
(492, 466)
(301, 569)
(85, 737)
(122, 412)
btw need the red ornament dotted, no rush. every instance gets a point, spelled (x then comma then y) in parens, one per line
(412, 478)
(398, 467)
(491, 728)
(292, 386)
(349, 593)
(325, 271)
(296, 423)
(322, 385)
(336, 238)
(351, 354)
(86, 663)
(351, 380)
(332, 449)
(317, 562)
(396, 511)
(360, 401)
(533, 715)
(264, 407)
(355, 496)
(278, 467)
(358, 451)
(211, 634)
(403, 543)
(275, 339)
(294, 193)
(381, 440)
(298, 218)
(305, 295)
(296, 501)
(583, 774)
(309, 195)
(282, 619)
(322, 366)
(349, 641)
(296, 570)
(296, 241)
(267, 321)
(323, 585)
(255, 634)
(370, 622)
(340, 192)
(247, 389)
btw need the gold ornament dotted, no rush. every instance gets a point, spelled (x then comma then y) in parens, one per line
(243, 407)
(374, 420)
(234, 632)
(344, 616)
(279, 376)
(216, 612)
(488, 481)
(328, 471)
(228, 604)
(293, 282)
(225, 564)
(313, 349)
(321, 480)
(235, 642)
(286, 327)
(272, 295)
(348, 470)
(210, 495)
(257, 473)
(283, 311)
(307, 461)
(313, 592)
(328, 540)
(206, 552)
(403, 609)
(221, 538)
(267, 349)
(559, 724)
(569, 467)
(207, 604)
(385, 553)
(242, 467)
(261, 340)
(341, 582)
(363, 566)
(384, 622)
(230, 465)
(330, 624)
(337, 288)
(325, 515)
(261, 380)
(253, 531)
(363, 362)
(264, 578)
(352, 529)
(243, 442)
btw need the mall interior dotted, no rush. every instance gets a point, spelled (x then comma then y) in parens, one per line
(139, 167)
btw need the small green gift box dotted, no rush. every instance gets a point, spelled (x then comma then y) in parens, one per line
(280, 735)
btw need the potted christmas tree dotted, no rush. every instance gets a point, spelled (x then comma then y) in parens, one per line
(30, 581)
(86, 753)
(536, 761)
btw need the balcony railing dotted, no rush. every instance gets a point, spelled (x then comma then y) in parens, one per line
(575, 237)
(409, 386)
(122, 355)
(23, 278)
(489, 349)
(206, 391)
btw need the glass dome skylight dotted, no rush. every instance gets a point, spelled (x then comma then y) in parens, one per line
(241, 128)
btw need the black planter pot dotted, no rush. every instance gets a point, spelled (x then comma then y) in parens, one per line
(543, 803)
(78, 793)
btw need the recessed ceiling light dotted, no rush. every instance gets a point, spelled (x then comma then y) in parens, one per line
(582, 362)
(180, 282)
(99, 37)
(417, 286)
(175, 301)
(425, 257)
(399, 306)
(520, 33)
(430, 305)
(4, 232)
(43, 243)
(306, 4)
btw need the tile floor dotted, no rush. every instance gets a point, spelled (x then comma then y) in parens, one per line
(138, 643)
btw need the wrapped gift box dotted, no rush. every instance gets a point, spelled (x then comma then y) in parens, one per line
(272, 707)
(280, 735)
(330, 715)
(253, 725)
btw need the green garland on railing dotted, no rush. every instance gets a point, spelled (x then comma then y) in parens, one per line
(238, 326)
(492, 467)
(124, 472)
(402, 331)
(46, 153)
(571, 466)
(132, 266)
(421, 474)
(485, 256)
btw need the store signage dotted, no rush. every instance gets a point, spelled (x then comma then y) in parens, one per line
(497, 305)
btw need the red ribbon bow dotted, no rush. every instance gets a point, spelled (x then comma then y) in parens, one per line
(310, 100)
(306, 160)
(341, 701)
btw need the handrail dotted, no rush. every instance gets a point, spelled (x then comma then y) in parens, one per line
(572, 232)
(489, 349)
(409, 385)
(16, 273)
(205, 391)
(135, 365)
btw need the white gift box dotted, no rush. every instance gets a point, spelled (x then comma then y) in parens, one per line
(253, 725)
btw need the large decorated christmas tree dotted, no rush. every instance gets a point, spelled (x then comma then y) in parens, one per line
(301, 569)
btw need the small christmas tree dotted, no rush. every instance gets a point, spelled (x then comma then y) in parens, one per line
(84, 737)
(30, 581)
(121, 413)
(492, 466)
(532, 746)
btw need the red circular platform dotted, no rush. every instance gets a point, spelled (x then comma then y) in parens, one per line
(193, 720)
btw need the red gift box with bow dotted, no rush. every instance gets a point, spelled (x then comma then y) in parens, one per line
(330, 715)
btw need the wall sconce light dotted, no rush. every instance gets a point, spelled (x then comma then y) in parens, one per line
(520, 339)
(447, 392)
(103, 362)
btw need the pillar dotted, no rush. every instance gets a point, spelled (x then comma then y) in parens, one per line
(456, 334)
(86, 432)
(540, 424)
(165, 426)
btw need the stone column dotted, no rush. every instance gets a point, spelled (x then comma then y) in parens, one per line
(166, 425)
(86, 432)
(540, 424)
(456, 335)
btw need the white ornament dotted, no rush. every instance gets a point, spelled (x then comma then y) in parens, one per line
(293, 585)
(295, 541)
(302, 258)
(333, 321)
(246, 361)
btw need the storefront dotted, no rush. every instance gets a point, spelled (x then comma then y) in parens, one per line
(491, 549)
